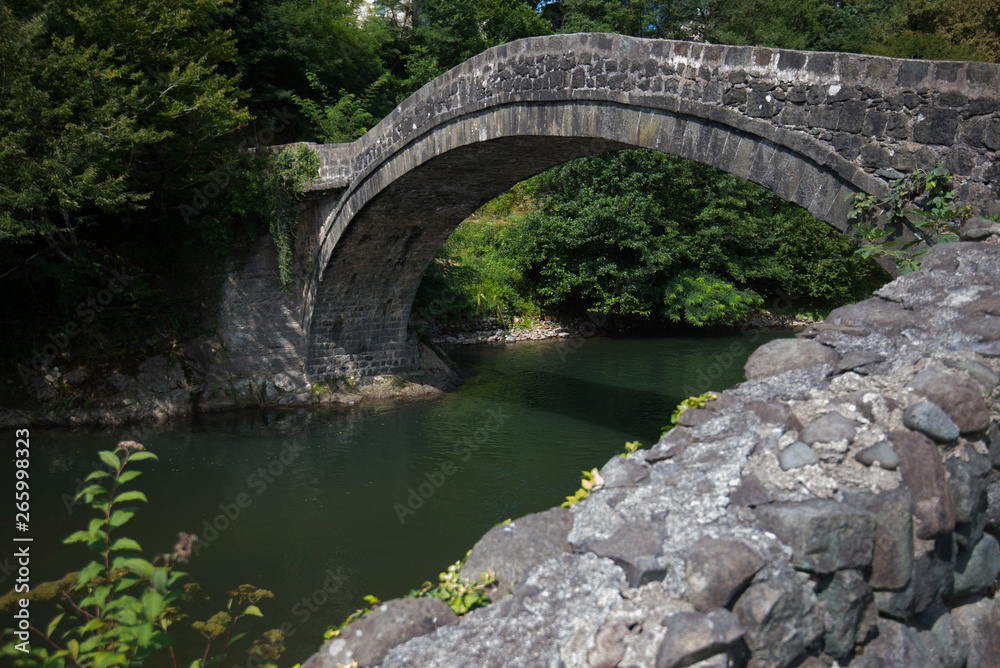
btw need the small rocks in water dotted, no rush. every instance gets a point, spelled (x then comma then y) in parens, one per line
(510, 339)
(797, 455)
(928, 418)
(882, 453)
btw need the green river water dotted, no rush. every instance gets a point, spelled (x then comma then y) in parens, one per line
(325, 507)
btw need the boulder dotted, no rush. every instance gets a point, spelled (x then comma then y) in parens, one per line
(892, 556)
(717, 571)
(825, 536)
(924, 475)
(512, 549)
(693, 636)
(828, 428)
(896, 645)
(368, 639)
(844, 599)
(981, 621)
(782, 618)
(636, 548)
(957, 396)
(781, 355)
(977, 569)
(930, 419)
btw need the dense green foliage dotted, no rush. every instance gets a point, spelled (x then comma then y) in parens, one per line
(644, 234)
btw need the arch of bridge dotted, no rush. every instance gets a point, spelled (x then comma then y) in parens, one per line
(812, 127)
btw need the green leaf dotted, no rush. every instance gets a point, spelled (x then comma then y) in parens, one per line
(90, 492)
(253, 610)
(152, 603)
(120, 517)
(89, 572)
(78, 537)
(140, 566)
(160, 580)
(110, 459)
(125, 544)
(127, 476)
(51, 628)
(94, 475)
(132, 495)
(141, 455)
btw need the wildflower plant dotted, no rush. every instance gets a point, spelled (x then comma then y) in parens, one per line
(118, 609)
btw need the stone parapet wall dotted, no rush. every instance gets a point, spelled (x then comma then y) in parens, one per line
(841, 507)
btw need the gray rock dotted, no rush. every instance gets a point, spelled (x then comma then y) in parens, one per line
(717, 571)
(977, 570)
(858, 361)
(825, 536)
(892, 557)
(928, 418)
(609, 646)
(874, 314)
(694, 417)
(368, 639)
(845, 599)
(981, 621)
(979, 228)
(956, 395)
(924, 475)
(993, 507)
(750, 493)
(564, 598)
(769, 411)
(693, 636)
(624, 472)
(670, 445)
(932, 581)
(882, 453)
(967, 483)
(781, 355)
(781, 617)
(993, 443)
(635, 548)
(946, 641)
(985, 376)
(797, 455)
(896, 645)
(510, 550)
(828, 428)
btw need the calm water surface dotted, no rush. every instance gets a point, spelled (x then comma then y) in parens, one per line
(378, 499)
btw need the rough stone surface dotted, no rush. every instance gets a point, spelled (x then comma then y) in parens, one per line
(946, 641)
(824, 536)
(829, 427)
(880, 453)
(635, 548)
(959, 397)
(896, 645)
(717, 571)
(367, 640)
(512, 549)
(781, 617)
(797, 455)
(844, 599)
(782, 355)
(565, 598)
(977, 569)
(929, 418)
(923, 474)
(693, 636)
(982, 624)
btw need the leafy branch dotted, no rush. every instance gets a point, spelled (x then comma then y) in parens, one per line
(923, 202)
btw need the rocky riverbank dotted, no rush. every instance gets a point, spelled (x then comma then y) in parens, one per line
(839, 508)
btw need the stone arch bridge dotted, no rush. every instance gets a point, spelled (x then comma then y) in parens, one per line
(813, 127)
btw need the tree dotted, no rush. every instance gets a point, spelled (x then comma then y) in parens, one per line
(108, 106)
(942, 30)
